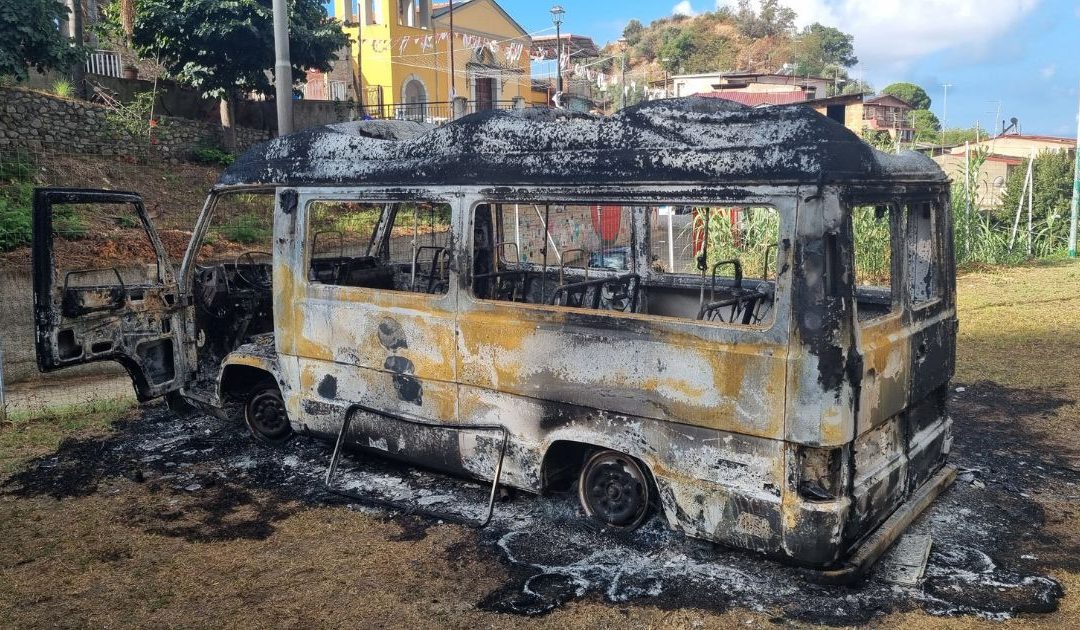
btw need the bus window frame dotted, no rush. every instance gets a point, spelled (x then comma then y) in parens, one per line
(781, 282)
(307, 196)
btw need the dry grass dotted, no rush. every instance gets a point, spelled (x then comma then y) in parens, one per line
(27, 435)
(92, 562)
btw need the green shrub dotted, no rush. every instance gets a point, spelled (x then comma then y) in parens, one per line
(62, 88)
(246, 229)
(15, 224)
(213, 155)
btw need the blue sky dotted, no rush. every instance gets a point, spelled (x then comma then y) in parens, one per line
(1019, 57)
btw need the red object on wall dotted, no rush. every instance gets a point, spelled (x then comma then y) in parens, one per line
(606, 221)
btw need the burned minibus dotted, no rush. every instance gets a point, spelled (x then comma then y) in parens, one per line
(743, 319)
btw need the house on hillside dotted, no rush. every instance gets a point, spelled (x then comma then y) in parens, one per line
(407, 62)
(862, 113)
(714, 83)
(1005, 153)
(1019, 145)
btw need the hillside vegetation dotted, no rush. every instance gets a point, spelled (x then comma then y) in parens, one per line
(741, 39)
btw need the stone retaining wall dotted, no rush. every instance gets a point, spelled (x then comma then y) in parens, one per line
(36, 121)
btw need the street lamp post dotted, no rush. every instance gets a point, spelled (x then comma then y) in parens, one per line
(557, 17)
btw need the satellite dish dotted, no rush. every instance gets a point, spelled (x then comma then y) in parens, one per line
(1013, 120)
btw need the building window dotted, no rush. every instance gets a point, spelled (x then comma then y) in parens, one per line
(338, 90)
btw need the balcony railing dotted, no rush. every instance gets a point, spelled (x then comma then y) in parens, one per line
(890, 120)
(429, 112)
(105, 63)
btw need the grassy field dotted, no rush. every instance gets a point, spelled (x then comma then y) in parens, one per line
(90, 560)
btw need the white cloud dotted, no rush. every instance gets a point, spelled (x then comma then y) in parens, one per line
(1049, 71)
(890, 34)
(683, 8)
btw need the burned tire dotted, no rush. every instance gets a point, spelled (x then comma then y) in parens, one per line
(265, 414)
(614, 489)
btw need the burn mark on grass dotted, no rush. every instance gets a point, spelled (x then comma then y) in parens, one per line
(990, 556)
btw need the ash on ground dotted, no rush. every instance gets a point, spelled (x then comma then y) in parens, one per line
(989, 556)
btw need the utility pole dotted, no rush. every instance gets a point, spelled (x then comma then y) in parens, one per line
(1074, 207)
(282, 68)
(945, 113)
(453, 67)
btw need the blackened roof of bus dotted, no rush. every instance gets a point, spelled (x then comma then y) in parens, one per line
(684, 140)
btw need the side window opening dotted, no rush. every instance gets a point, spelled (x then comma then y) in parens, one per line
(705, 263)
(874, 230)
(389, 246)
(103, 244)
(922, 255)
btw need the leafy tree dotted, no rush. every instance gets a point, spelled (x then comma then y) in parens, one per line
(676, 51)
(772, 19)
(913, 94)
(633, 32)
(30, 37)
(927, 126)
(821, 47)
(1052, 191)
(227, 48)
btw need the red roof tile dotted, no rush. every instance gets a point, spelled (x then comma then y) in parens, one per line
(754, 99)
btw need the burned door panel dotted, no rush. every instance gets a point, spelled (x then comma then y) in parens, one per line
(368, 308)
(132, 315)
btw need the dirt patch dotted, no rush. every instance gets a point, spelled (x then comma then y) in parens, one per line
(209, 483)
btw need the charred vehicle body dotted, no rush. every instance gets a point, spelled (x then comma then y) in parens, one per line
(659, 308)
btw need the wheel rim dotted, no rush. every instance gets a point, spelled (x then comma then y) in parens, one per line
(613, 489)
(266, 415)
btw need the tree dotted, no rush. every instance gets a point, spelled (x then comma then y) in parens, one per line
(633, 32)
(675, 51)
(1052, 191)
(909, 92)
(771, 19)
(224, 49)
(818, 47)
(30, 37)
(927, 126)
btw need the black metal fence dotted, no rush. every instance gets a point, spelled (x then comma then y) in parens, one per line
(430, 112)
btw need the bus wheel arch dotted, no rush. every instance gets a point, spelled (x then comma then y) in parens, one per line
(599, 475)
(260, 403)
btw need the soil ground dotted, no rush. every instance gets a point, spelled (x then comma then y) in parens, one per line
(162, 521)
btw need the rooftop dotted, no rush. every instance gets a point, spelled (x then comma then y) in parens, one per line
(686, 140)
(757, 99)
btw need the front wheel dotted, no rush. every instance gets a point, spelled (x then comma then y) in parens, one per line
(614, 489)
(265, 414)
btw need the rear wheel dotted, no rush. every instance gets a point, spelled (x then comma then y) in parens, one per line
(265, 414)
(614, 489)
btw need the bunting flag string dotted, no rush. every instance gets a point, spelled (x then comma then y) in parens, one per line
(511, 52)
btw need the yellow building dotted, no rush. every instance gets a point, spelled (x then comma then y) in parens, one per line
(408, 62)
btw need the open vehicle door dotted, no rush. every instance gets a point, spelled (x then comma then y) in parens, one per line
(132, 314)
